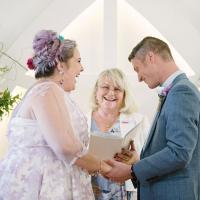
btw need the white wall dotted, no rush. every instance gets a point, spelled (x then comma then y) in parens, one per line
(178, 22)
(107, 43)
(106, 31)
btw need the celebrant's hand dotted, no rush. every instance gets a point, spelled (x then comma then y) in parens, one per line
(128, 156)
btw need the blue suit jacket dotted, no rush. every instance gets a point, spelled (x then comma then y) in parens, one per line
(169, 168)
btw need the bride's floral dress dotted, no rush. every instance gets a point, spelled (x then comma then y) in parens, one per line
(35, 167)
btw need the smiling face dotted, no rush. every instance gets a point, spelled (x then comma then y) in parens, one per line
(147, 70)
(109, 96)
(72, 69)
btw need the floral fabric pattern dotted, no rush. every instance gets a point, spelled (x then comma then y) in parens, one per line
(32, 171)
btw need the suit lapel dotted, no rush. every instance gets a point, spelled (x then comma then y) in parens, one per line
(161, 102)
(176, 80)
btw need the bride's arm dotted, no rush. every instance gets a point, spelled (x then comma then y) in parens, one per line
(52, 116)
(54, 122)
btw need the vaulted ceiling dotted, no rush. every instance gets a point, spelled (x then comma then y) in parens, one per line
(176, 21)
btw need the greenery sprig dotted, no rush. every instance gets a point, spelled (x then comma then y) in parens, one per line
(7, 102)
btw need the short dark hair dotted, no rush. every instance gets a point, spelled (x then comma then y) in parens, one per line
(151, 44)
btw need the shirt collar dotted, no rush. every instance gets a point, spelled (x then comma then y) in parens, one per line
(168, 82)
(171, 78)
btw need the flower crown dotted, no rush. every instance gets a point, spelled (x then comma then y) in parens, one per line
(30, 63)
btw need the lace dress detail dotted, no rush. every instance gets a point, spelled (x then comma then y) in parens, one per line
(34, 167)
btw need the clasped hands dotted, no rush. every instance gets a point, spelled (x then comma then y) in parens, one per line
(119, 168)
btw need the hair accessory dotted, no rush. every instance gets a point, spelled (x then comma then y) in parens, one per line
(30, 64)
(61, 38)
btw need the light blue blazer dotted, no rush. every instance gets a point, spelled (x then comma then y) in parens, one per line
(169, 168)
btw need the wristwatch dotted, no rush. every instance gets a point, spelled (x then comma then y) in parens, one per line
(134, 178)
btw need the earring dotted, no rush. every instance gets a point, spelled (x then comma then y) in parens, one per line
(62, 78)
(61, 72)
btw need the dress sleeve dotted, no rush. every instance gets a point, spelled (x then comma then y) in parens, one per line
(54, 122)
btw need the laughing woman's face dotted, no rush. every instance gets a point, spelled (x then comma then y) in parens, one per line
(108, 95)
(72, 69)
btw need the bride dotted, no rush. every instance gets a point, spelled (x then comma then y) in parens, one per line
(48, 137)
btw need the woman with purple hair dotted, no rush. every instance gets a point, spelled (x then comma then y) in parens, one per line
(48, 137)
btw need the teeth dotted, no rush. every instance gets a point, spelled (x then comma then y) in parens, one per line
(110, 99)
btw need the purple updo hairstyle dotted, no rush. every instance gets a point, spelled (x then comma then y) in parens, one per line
(48, 49)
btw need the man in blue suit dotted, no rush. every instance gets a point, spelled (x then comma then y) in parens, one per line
(169, 165)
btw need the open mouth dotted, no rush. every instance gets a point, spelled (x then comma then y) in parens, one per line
(76, 77)
(110, 99)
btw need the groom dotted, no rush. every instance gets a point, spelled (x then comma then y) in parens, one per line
(170, 160)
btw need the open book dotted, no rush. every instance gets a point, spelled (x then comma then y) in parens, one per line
(105, 146)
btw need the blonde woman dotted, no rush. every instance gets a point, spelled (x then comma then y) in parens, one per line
(114, 112)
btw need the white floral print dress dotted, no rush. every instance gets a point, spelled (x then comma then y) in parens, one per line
(36, 167)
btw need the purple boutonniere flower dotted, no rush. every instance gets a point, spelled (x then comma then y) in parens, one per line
(166, 90)
(163, 91)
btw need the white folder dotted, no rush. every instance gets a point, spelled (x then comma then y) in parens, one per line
(105, 146)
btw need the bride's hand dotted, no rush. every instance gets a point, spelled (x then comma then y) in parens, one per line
(105, 168)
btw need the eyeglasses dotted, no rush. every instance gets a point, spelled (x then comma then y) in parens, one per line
(106, 88)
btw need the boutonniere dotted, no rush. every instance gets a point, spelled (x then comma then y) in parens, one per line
(163, 91)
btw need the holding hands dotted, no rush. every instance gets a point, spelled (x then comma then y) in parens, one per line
(120, 172)
(121, 167)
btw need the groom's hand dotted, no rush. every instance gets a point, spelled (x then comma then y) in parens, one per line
(120, 172)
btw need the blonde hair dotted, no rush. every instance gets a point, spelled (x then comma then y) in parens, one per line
(119, 79)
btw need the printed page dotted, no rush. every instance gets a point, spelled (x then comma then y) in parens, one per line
(104, 147)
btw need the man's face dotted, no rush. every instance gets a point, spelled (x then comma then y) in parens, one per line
(147, 71)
